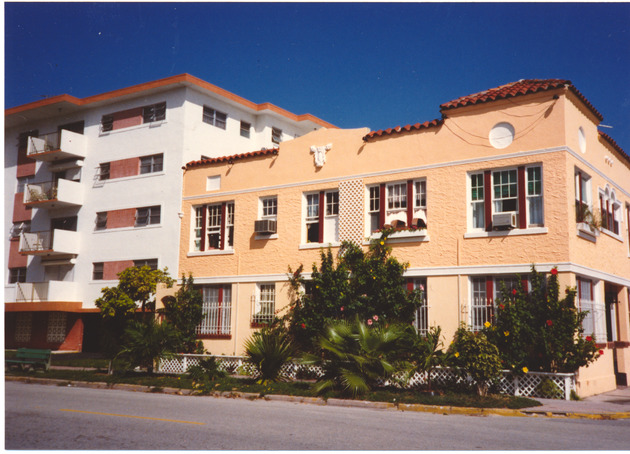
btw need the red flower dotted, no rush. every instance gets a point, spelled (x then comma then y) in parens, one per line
(549, 323)
(589, 338)
(601, 352)
(502, 306)
(303, 325)
(513, 291)
(554, 271)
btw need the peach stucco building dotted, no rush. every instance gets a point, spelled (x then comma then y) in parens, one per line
(502, 181)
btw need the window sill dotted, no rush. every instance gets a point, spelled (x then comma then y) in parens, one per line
(128, 229)
(504, 233)
(612, 235)
(318, 245)
(152, 124)
(259, 324)
(213, 252)
(262, 236)
(586, 232)
(98, 183)
(215, 336)
(404, 236)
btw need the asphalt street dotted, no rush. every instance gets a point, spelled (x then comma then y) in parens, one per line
(55, 417)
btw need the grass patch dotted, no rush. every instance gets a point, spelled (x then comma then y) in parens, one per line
(297, 388)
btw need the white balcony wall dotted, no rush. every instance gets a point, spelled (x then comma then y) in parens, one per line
(73, 143)
(34, 292)
(70, 192)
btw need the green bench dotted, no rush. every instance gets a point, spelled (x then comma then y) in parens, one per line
(29, 357)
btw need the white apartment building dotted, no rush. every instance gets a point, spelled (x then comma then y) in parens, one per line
(94, 185)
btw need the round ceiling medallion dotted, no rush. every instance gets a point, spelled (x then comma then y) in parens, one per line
(501, 135)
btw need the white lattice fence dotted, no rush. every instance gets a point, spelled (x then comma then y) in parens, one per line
(559, 386)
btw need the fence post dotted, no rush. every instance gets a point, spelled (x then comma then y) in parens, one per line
(567, 387)
(184, 363)
(517, 386)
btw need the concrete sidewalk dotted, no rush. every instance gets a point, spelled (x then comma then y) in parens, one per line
(613, 404)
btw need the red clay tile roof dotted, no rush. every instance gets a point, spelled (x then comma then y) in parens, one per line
(398, 129)
(613, 144)
(519, 88)
(251, 154)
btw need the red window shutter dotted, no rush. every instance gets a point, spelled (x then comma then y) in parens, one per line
(487, 198)
(322, 208)
(410, 285)
(525, 285)
(410, 202)
(522, 198)
(381, 205)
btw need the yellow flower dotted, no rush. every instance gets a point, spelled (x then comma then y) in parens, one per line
(456, 354)
(487, 324)
(507, 333)
(525, 369)
(382, 243)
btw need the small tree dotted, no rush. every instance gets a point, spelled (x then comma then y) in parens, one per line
(425, 351)
(140, 282)
(358, 284)
(537, 330)
(185, 312)
(474, 356)
(269, 350)
(147, 341)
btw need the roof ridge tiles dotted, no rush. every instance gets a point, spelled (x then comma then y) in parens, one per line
(234, 157)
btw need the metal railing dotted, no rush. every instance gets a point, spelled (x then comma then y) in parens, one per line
(39, 192)
(44, 143)
(36, 241)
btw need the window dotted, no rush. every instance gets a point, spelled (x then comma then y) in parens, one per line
(421, 321)
(534, 196)
(245, 129)
(150, 164)
(374, 208)
(56, 327)
(103, 171)
(107, 123)
(217, 221)
(97, 271)
(583, 203)
(397, 196)
(610, 210)
(101, 220)
(269, 206)
(505, 191)
(332, 203)
(276, 135)
(484, 293)
(594, 323)
(263, 311)
(151, 263)
(17, 275)
(20, 227)
(477, 200)
(217, 311)
(155, 112)
(214, 117)
(148, 216)
(420, 196)
(312, 218)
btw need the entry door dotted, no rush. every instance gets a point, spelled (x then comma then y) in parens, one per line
(611, 304)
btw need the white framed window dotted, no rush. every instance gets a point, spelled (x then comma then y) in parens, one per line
(505, 187)
(312, 218)
(268, 207)
(332, 203)
(594, 323)
(583, 198)
(610, 210)
(480, 312)
(245, 129)
(214, 117)
(151, 164)
(97, 271)
(397, 196)
(57, 322)
(264, 304)
(534, 196)
(421, 320)
(420, 194)
(477, 201)
(148, 216)
(374, 208)
(321, 226)
(209, 231)
(217, 311)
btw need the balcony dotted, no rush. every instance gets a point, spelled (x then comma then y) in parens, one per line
(55, 243)
(39, 292)
(57, 146)
(62, 194)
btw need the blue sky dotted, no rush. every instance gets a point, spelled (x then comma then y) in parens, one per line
(352, 64)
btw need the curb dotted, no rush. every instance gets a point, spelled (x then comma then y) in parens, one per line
(348, 403)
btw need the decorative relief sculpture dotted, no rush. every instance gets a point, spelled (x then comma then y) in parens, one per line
(320, 154)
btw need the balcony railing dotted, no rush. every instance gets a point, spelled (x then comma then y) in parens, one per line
(63, 193)
(57, 145)
(50, 243)
(35, 292)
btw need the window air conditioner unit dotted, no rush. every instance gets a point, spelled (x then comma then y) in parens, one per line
(504, 221)
(265, 226)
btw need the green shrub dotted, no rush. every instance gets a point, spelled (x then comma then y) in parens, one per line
(208, 368)
(268, 350)
(474, 356)
(548, 389)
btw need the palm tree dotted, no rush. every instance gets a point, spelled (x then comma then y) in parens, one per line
(269, 350)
